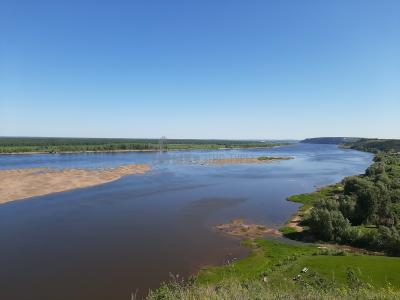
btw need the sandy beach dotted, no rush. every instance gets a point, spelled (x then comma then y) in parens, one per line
(24, 183)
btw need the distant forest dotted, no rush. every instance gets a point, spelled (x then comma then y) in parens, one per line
(55, 145)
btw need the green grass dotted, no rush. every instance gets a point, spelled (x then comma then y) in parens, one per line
(264, 255)
(378, 271)
(280, 262)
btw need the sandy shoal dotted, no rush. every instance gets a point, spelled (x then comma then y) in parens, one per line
(241, 229)
(24, 183)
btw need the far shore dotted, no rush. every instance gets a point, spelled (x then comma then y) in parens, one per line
(77, 152)
(19, 184)
(139, 150)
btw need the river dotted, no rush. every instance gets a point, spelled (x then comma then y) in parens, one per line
(127, 236)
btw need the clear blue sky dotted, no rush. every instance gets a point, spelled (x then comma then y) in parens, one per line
(200, 69)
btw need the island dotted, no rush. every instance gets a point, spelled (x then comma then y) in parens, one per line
(244, 160)
(19, 184)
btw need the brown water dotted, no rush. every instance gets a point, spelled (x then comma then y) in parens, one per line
(109, 241)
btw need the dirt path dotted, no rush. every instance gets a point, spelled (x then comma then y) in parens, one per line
(24, 183)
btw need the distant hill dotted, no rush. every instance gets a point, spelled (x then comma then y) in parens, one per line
(330, 140)
(375, 145)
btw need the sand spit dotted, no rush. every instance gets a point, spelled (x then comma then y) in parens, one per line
(244, 160)
(240, 228)
(24, 183)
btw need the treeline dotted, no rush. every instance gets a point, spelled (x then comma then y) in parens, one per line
(54, 145)
(363, 211)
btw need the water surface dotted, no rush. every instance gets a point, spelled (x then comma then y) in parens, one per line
(108, 241)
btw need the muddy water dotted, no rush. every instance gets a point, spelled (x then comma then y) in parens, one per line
(109, 241)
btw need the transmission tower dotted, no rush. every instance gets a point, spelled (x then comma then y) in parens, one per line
(162, 143)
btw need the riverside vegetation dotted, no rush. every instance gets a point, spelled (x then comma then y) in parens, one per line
(362, 211)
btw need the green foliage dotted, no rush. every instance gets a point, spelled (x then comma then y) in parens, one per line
(328, 225)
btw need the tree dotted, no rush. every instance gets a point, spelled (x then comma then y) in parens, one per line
(328, 225)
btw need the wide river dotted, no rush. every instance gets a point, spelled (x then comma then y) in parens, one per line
(127, 236)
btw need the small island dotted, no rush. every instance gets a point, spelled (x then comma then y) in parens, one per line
(244, 160)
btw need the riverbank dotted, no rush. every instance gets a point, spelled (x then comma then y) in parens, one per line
(280, 270)
(19, 184)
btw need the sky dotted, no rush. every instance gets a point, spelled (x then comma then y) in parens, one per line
(200, 69)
